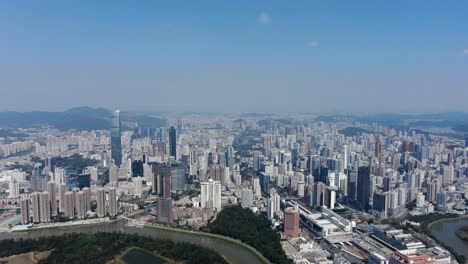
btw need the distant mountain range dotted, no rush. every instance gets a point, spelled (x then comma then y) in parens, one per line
(457, 121)
(80, 118)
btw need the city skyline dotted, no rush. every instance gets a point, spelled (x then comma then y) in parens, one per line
(232, 57)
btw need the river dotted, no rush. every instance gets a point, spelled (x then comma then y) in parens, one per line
(230, 250)
(445, 231)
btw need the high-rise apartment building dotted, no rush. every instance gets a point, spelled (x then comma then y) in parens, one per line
(116, 140)
(68, 205)
(25, 211)
(52, 190)
(211, 194)
(113, 206)
(101, 202)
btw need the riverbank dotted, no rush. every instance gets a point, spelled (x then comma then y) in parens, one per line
(233, 251)
(462, 233)
(444, 232)
(251, 249)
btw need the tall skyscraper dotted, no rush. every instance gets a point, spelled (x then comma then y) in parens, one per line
(113, 208)
(25, 211)
(80, 205)
(101, 202)
(211, 194)
(116, 143)
(13, 188)
(61, 196)
(87, 192)
(68, 206)
(363, 187)
(173, 142)
(44, 207)
(52, 190)
(162, 180)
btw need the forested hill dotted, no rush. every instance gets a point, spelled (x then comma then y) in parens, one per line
(80, 118)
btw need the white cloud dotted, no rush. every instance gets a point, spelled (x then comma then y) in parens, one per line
(465, 52)
(264, 18)
(313, 43)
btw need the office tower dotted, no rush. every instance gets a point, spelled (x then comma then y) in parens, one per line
(273, 205)
(116, 141)
(25, 211)
(256, 158)
(59, 175)
(38, 181)
(441, 201)
(61, 196)
(87, 192)
(163, 135)
(178, 179)
(378, 146)
(148, 174)
(291, 222)
(448, 175)
(165, 210)
(256, 189)
(230, 157)
(247, 198)
(52, 190)
(80, 206)
(137, 168)
(173, 142)
(68, 205)
(380, 205)
(13, 188)
(363, 187)
(344, 157)
(264, 182)
(101, 202)
(330, 197)
(113, 204)
(211, 194)
(237, 178)
(217, 173)
(93, 171)
(44, 207)
(162, 180)
(138, 186)
(113, 173)
(317, 197)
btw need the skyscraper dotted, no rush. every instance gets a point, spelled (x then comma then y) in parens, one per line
(101, 202)
(52, 190)
(113, 208)
(162, 180)
(25, 216)
(173, 142)
(116, 143)
(80, 205)
(363, 187)
(68, 206)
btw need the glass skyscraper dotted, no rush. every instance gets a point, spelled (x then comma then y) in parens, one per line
(173, 142)
(116, 144)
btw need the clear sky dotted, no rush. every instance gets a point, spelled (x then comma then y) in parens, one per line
(225, 56)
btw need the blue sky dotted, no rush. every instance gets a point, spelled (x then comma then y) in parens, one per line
(295, 55)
